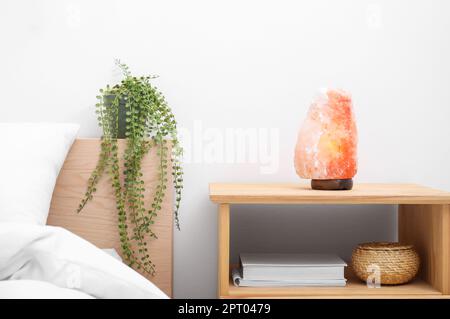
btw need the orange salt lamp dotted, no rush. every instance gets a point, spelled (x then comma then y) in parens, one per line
(327, 142)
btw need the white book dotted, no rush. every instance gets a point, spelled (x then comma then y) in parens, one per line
(241, 282)
(292, 267)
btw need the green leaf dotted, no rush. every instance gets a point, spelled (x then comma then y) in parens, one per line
(147, 116)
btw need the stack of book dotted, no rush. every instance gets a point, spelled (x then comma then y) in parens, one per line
(283, 270)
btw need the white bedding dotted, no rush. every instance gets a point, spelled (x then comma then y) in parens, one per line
(57, 262)
(32, 155)
(35, 289)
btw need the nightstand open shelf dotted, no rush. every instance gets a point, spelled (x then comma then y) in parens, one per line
(423, 220)
(354, 289)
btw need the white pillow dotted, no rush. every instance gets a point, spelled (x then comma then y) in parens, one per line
(31, 156)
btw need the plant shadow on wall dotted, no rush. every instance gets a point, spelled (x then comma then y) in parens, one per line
(137, 111)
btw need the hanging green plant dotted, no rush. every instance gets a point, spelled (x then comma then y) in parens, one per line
(137, 111)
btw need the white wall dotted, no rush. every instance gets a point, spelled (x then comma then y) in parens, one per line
(255, 64)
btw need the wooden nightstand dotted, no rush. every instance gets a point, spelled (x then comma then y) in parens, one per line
(423, 220)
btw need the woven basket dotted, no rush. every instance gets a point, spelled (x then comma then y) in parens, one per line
(398, 263)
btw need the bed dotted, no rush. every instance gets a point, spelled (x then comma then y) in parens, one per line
(97, 223)
(38, 260)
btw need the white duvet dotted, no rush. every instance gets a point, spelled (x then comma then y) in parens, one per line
(51, 262)
(35, 289)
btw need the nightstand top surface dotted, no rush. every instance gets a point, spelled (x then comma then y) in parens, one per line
(228, 193)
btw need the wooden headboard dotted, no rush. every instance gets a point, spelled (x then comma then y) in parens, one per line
(97, 223)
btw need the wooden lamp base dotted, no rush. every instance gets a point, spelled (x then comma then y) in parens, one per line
(332, 184)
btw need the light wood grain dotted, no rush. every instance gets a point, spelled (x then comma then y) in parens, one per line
(354, 289)
(427, 228)
(223, 249)
(424, 221)
(303, 194)
(97, 223)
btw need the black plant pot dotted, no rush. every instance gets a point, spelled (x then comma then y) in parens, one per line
(108, 100)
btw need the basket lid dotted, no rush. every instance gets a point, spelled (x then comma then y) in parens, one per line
(384, 246)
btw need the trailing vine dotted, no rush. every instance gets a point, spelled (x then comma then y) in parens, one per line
(149, 123)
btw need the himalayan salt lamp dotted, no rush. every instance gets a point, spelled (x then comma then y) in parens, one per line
(327, 142)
